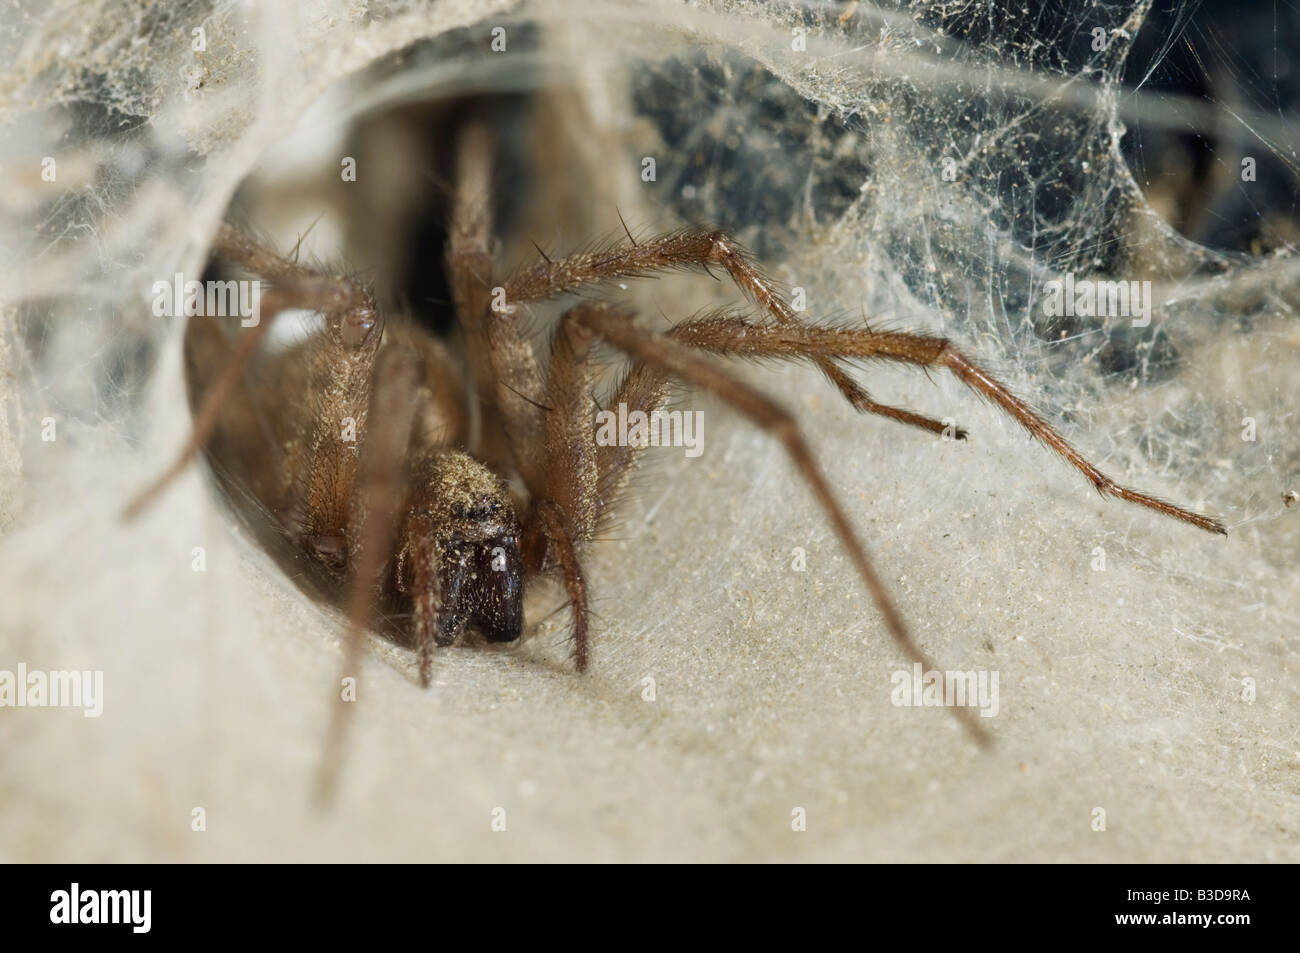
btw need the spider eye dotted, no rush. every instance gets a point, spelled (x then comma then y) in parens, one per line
(476, 511)
(357, 326)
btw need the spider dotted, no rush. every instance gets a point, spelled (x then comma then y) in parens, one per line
(367, 459)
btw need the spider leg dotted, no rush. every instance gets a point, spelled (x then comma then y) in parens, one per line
(375, 510)
(682, 361)
(237, 246)
(570, 435)
(697, 248)
(555, 525)
(244, 439)
(563, 516)
(505, 369)
(911, 418)
(738, 338)
(644, 389)
(423, 557)
(342, 300)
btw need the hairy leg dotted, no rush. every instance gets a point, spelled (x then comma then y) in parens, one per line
(507, 376)
(735, 337)
(645, 388)
(234, 245)
(570, 435)
(351, 509)
(375, 511)
(692, 248)
(682, 361)
(350, 318)
(554, 523)
(569, 506)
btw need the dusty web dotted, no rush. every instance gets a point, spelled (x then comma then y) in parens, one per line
(960, 155)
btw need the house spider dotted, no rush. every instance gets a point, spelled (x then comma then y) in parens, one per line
(413, 510)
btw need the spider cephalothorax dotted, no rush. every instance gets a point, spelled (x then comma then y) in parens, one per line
(374, 472)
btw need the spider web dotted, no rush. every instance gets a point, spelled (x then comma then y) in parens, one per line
(930, 165)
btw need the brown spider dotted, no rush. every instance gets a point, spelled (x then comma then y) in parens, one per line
(408, 510)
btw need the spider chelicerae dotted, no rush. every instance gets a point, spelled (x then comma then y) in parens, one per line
(362, 442)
